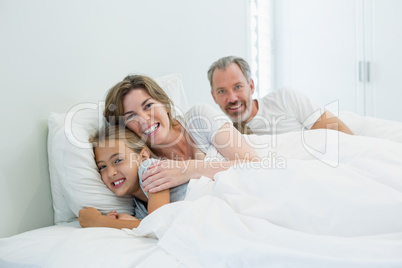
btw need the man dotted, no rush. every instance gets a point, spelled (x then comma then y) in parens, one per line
(279, 112)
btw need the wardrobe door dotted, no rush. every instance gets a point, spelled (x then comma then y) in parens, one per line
(386, 64)
(316, 50)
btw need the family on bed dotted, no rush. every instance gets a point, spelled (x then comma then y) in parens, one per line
(202, 142)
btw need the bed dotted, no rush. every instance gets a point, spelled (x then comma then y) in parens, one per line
(331, 200)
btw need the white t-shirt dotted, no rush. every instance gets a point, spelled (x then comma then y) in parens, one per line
(202, 122)
(282, 111)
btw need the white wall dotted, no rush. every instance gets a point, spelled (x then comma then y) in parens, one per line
(321, 45)
(55, 54)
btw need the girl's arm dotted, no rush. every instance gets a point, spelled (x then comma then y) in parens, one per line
(156, 200)
(91, 217)
(169, 173)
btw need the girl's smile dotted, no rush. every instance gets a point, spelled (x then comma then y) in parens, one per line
(118, 183)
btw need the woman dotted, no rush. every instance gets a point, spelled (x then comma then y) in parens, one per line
(360, 197)
(201, 134)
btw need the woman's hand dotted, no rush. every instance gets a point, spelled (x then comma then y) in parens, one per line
(166, 174)
(90, 217)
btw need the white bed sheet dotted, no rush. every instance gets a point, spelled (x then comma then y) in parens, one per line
(68, 245)
(28, 249)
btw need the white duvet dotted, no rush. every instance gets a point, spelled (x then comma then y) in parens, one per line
(320, 199)
(309, 214)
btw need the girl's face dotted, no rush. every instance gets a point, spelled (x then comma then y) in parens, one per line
(118, 166)
(146, 117)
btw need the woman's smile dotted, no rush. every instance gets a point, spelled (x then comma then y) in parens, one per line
(151, 130)
(150, 117)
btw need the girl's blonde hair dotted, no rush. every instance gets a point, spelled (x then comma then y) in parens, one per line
(114, 99)
(122, 134)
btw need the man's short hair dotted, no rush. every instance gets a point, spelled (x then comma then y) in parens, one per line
(224, 62)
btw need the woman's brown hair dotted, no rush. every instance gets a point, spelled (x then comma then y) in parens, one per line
(114, 100)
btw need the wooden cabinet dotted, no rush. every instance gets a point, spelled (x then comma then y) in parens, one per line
(344, 52)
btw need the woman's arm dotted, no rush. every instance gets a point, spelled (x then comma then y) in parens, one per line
(166, 174)
(169, 173)
(232, 145)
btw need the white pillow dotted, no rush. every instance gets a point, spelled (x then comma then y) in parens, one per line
(173, 86)
(75, 181)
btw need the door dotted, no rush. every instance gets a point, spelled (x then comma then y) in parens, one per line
(342, 50)
(385, 94)
(316, 50)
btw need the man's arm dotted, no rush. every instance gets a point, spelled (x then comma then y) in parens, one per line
(330, 121)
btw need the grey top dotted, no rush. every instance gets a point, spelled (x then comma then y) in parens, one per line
(176, 193)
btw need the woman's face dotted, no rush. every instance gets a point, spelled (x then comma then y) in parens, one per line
(146, 117)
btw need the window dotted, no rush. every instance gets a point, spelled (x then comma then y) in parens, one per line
(261, 23)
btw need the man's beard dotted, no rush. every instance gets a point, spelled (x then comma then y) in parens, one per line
(240, 117)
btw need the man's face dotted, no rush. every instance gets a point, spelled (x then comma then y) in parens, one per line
(232, 92)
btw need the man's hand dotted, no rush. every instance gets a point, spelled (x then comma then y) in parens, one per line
(330, 121)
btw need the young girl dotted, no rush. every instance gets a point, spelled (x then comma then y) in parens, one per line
(122, 158)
